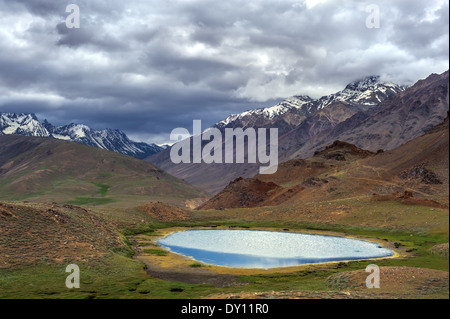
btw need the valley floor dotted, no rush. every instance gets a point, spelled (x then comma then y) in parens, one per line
(125, 262)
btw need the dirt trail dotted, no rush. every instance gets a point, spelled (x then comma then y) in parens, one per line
(383, 182)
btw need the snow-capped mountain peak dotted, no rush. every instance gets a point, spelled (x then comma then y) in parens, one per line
(366, 92)
(294, 102)
(363, 84)
(22, 124)
(75, 131)
(109, 139)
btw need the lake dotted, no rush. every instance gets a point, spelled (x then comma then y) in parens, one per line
(267, 249)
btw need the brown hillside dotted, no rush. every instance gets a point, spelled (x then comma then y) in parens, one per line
(52, 233)
(164, 212)
(341, 151)
(407, 198)
(418, 168)
(249, 192)
(51, 170)
(422, 163)
(297, 171)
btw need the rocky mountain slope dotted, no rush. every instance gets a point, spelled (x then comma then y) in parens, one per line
(368, 113)
(397, 120)
(416, 173)
(108, 139)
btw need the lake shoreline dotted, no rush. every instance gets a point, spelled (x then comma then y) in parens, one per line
(176, 261)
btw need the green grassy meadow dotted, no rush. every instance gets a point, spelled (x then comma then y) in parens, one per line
(117, 275)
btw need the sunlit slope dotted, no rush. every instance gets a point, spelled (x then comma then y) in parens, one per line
(44, 169)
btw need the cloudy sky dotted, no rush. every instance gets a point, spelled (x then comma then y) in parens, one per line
(147, 67)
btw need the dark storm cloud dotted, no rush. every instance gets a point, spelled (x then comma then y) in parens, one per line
(39, 7)
(147, 67)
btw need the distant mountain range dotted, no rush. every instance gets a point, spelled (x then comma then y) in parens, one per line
(369, 113)
(108, 139)
(361, 95)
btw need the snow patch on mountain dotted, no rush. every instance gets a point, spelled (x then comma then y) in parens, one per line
(22, 124)
(294, 102)
(369, 92)
(108, 139)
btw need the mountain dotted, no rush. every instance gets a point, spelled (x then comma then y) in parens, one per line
(291, 111)
(361, 94)
(108, 139)
(301, 114)
(22, 124)
(52, 170)
(395, 121)
(415, 173)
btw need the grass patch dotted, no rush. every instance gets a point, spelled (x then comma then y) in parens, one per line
(110, 277)
(93, 201)
(156, 252)
(103, 188)
(139, 229)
